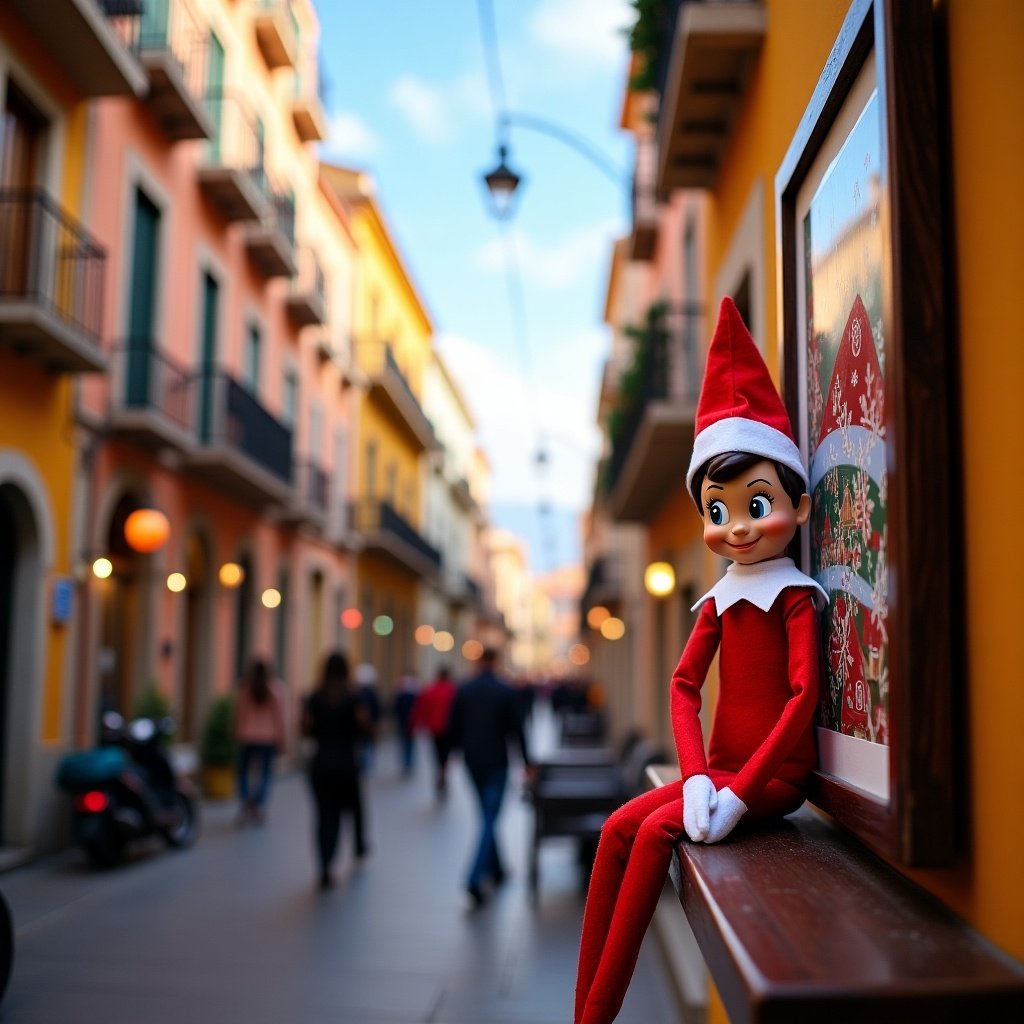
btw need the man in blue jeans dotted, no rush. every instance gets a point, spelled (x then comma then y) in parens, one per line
(485, 718)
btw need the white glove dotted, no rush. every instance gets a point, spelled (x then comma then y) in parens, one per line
(725, 816)
(699, 800)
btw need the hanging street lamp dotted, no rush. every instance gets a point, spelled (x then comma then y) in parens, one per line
(502, 184)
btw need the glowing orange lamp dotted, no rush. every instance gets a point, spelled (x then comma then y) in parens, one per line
(146, 530)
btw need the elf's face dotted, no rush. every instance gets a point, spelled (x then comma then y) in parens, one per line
(750, 518)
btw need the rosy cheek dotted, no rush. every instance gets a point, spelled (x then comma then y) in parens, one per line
(777, 526)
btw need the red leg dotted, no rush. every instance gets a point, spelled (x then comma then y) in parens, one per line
(614, 863)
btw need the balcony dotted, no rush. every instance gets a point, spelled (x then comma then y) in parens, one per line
(270, 244)
(231, 175)
(389, 388)
(655, 410)
(462, 494)
(461, 589)
(173, 48)
(708, 57)
(93, 41)
(310, 497)
(152, 398)
(242, 449)
(385, 533)
(306, 303)
(308, 112)
(644, 236)
(276, 35)
(51, 284)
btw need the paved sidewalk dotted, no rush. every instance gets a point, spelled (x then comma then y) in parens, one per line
(234, 930)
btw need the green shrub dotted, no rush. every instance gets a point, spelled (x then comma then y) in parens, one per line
(217, 743)
(152, 704)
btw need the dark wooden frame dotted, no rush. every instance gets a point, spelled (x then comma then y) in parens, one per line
(917, 825)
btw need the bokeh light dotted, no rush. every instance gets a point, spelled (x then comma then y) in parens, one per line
(146, 530)
(613, 628)
(579, 654)
(231, 575)
(472, 649)
(102, 568)
(597, 615)
(383, 625)
(176, 582)
(271, 597)
(443, 641)
(659, 579)
(424, 635)
(351, 618)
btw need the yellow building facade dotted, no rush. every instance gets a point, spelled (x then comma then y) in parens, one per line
(390, 351)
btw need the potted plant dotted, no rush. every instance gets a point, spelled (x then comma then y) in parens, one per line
(217, 749)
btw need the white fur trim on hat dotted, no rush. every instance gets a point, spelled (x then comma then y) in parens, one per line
(737, 434)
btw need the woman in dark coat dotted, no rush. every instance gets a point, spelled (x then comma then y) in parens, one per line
(337, 720)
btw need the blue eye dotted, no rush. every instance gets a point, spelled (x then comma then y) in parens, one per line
(718, 512)
(760, 506)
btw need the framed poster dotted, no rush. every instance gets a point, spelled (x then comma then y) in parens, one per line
(868, 382)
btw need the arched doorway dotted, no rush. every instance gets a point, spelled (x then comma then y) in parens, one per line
(21, 581)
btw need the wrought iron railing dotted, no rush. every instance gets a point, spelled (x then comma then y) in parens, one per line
(237, 142)
(47, 258)
(665, 368)
(312, 485)
(281, 214)
(229, 413)
(146, 378)
(125, 17)
(371, 516)
(173, 25)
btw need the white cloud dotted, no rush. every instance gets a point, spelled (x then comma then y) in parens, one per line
(348, 135)
(515, 416)
(584, 31)
(575, 258)
(424, 106)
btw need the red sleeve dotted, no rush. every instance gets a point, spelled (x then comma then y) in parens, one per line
(687, 681)
(804, 671)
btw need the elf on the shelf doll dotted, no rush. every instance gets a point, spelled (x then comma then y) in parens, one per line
(749, 483)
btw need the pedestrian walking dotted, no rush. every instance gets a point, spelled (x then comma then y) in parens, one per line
(431, 714)
(401, 707)
(485, 719)
(337, 720)
(260, 729)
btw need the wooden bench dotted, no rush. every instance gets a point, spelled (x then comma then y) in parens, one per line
(576, 788)
(797, 922)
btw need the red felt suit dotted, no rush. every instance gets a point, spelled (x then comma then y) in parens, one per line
(761, 620)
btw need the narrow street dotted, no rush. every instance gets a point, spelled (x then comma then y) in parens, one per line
(234, 930)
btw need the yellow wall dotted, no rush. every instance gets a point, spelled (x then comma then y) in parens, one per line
(987, 106)
(401, 321)
(35, 420)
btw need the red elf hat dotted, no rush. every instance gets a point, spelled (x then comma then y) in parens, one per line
(739, 409)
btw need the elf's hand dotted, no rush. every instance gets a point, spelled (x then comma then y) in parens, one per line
(725, 816)
(699, 800)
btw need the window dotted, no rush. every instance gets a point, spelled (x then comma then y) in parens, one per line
(290, 403)
(253, 355)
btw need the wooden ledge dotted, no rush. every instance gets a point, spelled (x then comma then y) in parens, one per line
(798, 923)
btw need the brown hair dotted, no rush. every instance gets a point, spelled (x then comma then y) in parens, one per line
(727, 466)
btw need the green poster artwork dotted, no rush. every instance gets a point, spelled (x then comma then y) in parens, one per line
(843, 256)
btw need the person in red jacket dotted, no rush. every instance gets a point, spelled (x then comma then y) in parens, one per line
(431, 712)
(748, 481)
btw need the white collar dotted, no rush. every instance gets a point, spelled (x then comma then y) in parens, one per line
(760, 584)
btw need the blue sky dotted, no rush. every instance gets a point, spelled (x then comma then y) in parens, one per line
(409, 101)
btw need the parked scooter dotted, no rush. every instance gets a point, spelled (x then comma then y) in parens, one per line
(126, 789)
